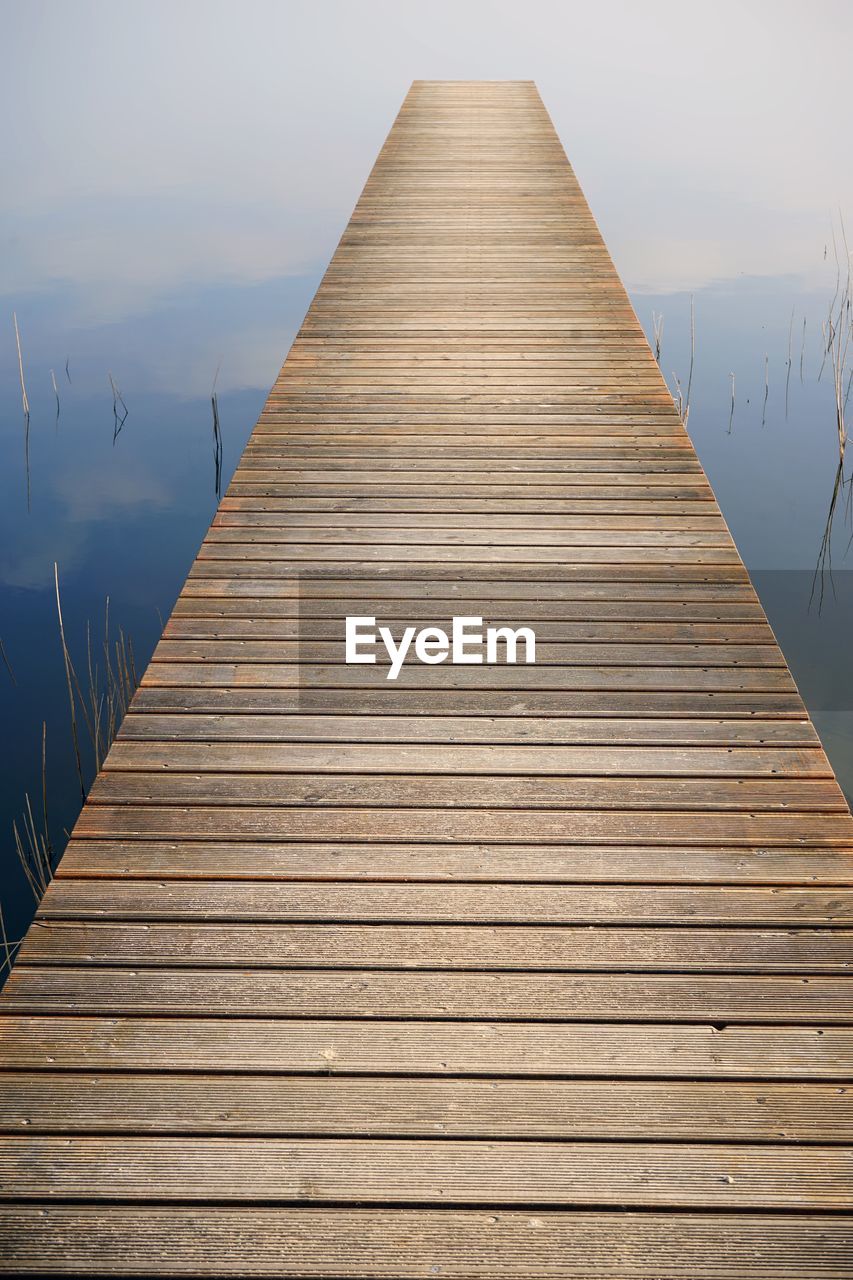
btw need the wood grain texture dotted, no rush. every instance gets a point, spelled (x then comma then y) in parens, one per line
(489, 972)
(442, 946)
(378, 993)
(411, 1244)
(430, 1172)
(290, 1105)
(428, 1048)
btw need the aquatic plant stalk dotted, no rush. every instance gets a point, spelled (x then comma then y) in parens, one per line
(9, 948)
(24, 396)
(66, 657)
(34, 852)
(657, 329)
(692, 358)
(7, 663)
(45, 825)
(789, 362)
(766, 389)
(118, 399)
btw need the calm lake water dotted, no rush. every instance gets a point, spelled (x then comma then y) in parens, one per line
(122, 515)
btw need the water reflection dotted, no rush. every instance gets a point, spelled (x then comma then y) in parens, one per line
(119, 409)
(774, 448)
(121, 502)
(122, 513)
(217, 439)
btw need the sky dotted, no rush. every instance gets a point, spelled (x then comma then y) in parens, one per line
(149, 147)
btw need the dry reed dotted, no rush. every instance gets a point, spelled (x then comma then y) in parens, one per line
(657, 329)
(24, 397)
(7, 663)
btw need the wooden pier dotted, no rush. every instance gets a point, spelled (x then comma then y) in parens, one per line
(489, 972)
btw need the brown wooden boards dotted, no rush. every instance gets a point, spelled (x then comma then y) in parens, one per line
(414, 1243)
(487, 970)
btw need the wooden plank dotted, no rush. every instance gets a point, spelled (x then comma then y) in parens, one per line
(168, 1103)
(370, 993)
(708, 589)
(820, 830)
(184, 731)
(556, 635)
(312, 552)
(491, 760)
(407, 1243)
(634, 504)
(401, 791)
(698, 673)
(488, 904)
(524, 947)
(722, 653)
(511, 544)
(609, 577)
(211, 601)
(247, 859)
(428, 1048)
(429, 1172)
(397, 699)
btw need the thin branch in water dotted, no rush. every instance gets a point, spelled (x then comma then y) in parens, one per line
(657, 329)
(24, 859)
(680, 405)
(131, 660)
(217, 447)
(70, 685)
(766, 390)
(837, 270)
(32, 837)
(26, 404)
(6, 944)
(9, 948)
(790, 359)
(824, 559)
(826, 332)
(841, 347)
(732, 410)
(24, 397)
(110, 676)
(27, 461)
(829, 325)
(101, 709)
(838, 334)
(7, 663)
(95, 700)
(123, 667)
(692, 358)
(682, 399)
(34, 853)
(118, 399)
(56, 393)
(45, 826)
(118, 419)
(67, 369)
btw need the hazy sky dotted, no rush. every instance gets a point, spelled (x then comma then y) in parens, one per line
(150, 145)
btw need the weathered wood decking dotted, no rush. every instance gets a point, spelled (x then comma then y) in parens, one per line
(491, 972)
